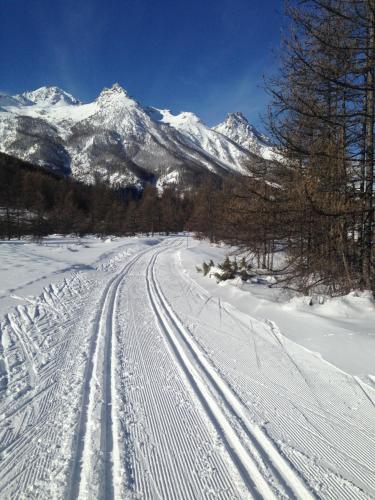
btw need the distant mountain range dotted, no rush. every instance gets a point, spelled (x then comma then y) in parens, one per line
(117, 139)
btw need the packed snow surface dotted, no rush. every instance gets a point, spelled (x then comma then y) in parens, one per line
(126, 374)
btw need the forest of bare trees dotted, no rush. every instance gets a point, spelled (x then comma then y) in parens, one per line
(321, 211)
(35, 202)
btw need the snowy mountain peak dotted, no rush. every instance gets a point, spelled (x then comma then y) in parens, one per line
(236, 117)
(114, 92)
(48, 96)
(238, 121)
(239, 130)
(116, 87)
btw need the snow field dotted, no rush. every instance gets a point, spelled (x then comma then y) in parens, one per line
(129, 379)
(46, 355)
(44, 352)
(316, 415)
(26, 267)
(341, 330)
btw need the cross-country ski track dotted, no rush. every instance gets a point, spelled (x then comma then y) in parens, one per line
(132, 381)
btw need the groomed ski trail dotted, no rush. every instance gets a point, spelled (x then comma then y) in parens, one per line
(169, 447)
(132, 381)
(220, 401)
(95, 458)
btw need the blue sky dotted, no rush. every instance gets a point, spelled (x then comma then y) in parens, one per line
(205, 56)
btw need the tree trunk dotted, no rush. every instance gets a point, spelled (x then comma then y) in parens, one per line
(367, 270)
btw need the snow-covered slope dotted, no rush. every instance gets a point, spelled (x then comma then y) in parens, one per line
(8, 100)
(48, 96)
(192, 128)
(237, 128)
(116, 138)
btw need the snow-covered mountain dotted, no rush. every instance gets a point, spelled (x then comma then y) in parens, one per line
(119, 140)
(48, 96)
(43, 97)
(237, 128)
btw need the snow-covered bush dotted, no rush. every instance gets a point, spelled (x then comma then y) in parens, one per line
(227, 270)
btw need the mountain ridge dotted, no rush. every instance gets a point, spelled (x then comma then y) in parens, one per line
(119, 140)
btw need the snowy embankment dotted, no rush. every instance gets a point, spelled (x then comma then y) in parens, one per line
(341, 330)
(133, 376)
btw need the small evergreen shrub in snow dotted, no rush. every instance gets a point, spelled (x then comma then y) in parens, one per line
(206, 268)
(227, 270)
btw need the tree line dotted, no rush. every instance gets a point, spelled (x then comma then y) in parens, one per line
(320, 211)
(36, 202)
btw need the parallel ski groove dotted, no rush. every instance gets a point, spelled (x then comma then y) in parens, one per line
(98, 374)
(244, 462)
(171, 450)
(284, 472)
(317, 429)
